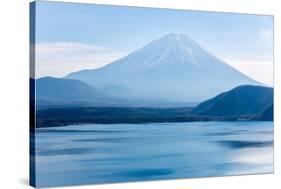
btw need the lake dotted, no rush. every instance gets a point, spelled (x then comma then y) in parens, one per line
(97, 153)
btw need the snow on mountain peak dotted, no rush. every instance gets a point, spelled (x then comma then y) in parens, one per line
(178, 37)
(170, 49)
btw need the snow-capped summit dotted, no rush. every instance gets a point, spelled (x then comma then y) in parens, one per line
(173, 67)
(169, 49)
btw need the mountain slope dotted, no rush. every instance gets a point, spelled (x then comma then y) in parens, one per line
(242, 100)
(267, 114)
(173, 68)
(55, 90)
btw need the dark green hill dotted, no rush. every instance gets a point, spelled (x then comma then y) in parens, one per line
(267, 114)
(240, 101)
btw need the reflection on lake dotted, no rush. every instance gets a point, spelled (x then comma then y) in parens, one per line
(96, 153)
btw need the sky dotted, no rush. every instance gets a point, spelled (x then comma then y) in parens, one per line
(72, 36)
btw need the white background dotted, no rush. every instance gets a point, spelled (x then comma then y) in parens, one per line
(14, 74)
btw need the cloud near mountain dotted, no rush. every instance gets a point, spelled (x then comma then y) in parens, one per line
(59, 58)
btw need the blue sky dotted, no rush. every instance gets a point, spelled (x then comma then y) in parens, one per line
(73, 36)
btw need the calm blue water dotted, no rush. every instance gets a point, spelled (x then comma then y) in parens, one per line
(96, 153)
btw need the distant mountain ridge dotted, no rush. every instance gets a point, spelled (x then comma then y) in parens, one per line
(241, 103)
(173, 68)
(50, 90)
(242, 100)
(117, 91)
(59, 92)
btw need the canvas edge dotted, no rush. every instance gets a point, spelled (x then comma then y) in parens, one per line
(32, 106)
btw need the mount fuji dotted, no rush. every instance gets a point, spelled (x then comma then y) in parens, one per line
(172, 68)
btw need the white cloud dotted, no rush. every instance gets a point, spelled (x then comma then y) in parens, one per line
(67, 47)
(60, 58)
(266, 34)
(261, 71)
